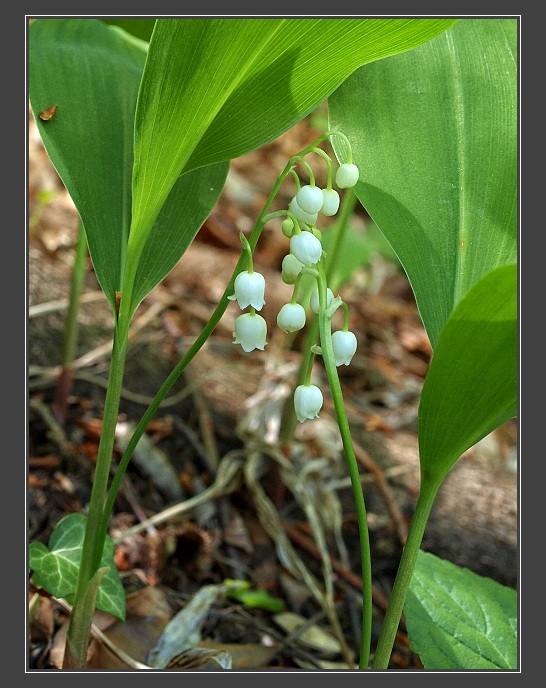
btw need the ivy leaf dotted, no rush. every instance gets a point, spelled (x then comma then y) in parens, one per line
(457, 619)
(56, 568)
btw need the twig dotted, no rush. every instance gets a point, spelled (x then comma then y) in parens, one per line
(101, 637)
(369, 464)
(227, 480)
(56, 432)
(62, 304)
(308, 545)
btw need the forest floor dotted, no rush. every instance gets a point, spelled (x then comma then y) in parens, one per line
(210, 495)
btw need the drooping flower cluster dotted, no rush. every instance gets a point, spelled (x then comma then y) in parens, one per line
(304, 257)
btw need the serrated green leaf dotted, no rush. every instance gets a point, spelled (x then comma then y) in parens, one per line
(471, 383)
(56, 568)
(434, 133)
(214, 89)
(457, 619)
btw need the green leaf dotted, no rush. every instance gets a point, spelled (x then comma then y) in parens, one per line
(56, 568)
(258, 598)
(357, 250)
(457, 619)
(434, 133)
(177, 224)
(471, 384)
(214, 89)
(92, 72)
(141, 28)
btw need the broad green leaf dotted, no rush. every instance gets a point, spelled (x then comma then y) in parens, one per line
(434, 133)
(356, 250)
(187, 207)
(214, 89)
(471, 384)
(93, 72)
(56, 568)
(141, 28)
(457, 619)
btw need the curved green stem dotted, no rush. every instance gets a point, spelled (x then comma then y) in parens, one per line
(295, 289)
(416, 531)
(309, 170)
(201, 339)
(101, 504)
(248, 250)
(325, 328)
(328, 160)
(335, 132)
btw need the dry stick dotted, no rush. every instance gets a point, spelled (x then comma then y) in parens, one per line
(56, 433)
(101, 637)
(228, 479)
(207, 429)
(61, 304)
(191, 436)
(211, 456)
(370, 465)
(307, 544)
(244, 617)
(105, 349)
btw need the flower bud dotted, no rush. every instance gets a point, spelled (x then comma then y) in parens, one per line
(308, 218)
(306, 247)
(308, 401)
(290, 268)
(287, 227)
(344, 345)
(314, 300)
(310, 199)
(291, 317)
(347, 175)
(331, 202)
(250, 331)
(249, 290)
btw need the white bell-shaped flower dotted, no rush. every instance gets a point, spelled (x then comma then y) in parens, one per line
(306, 247)
(250, 331)
(249, 290)
(301, 215)
(331, 202)
(291, 317)
(308, 401)
(314, 300)
(310, 199)
(347, 175)
(344, 345)
(290, 268)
